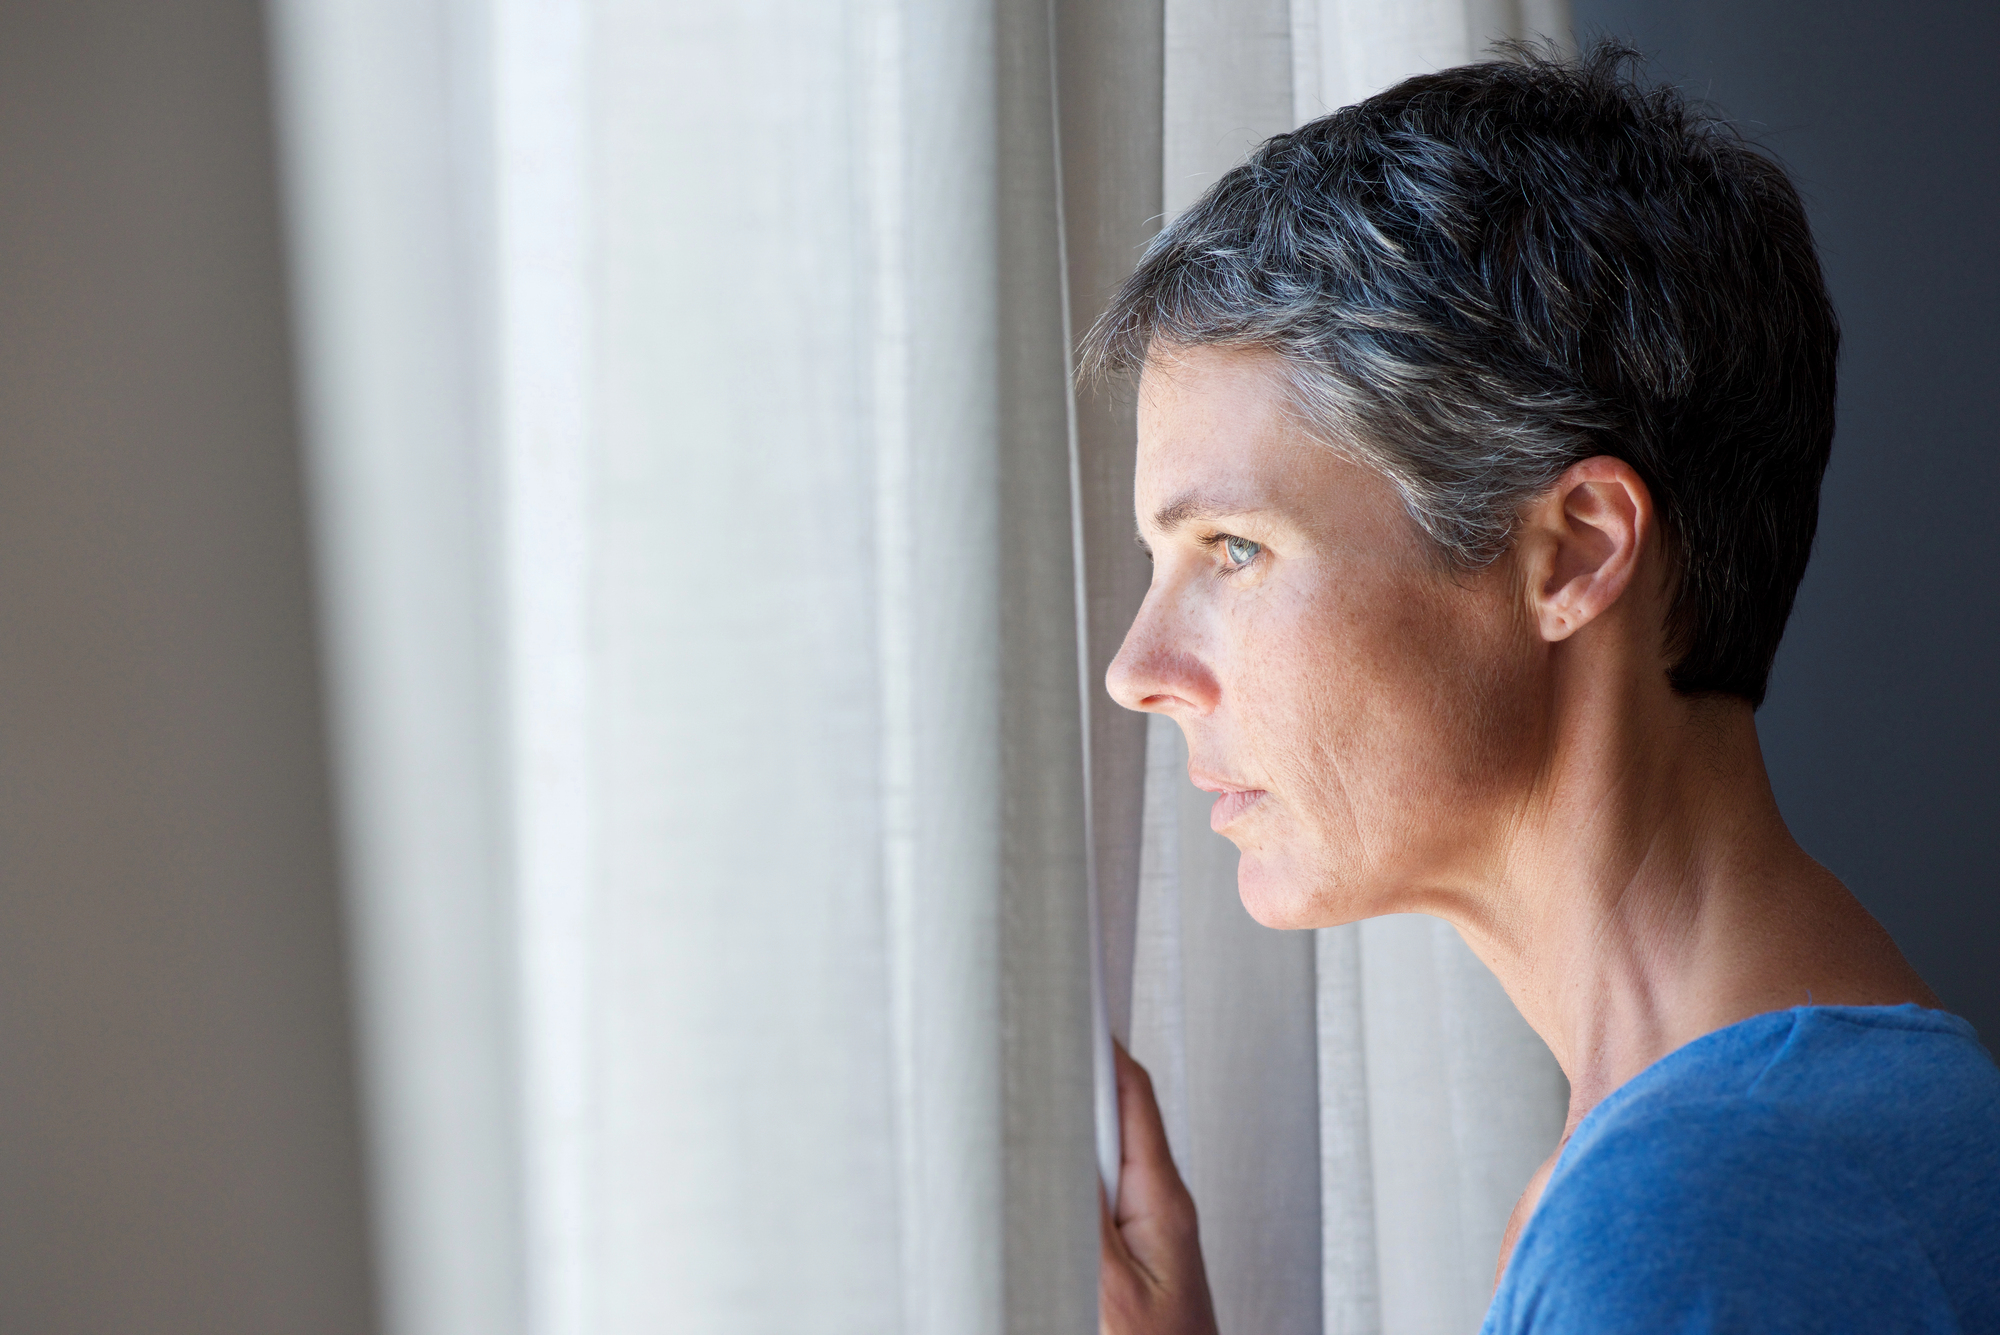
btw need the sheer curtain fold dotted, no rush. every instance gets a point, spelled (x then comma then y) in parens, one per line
(389, 222)
(719, 576)
(694, 505)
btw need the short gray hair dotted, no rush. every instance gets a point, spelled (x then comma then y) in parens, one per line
(1483, 276)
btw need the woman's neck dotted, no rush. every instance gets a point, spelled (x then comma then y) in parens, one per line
(1650, 893)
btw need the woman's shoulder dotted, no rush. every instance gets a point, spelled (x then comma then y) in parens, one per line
(1866, 1076)
(1816, 1112)
(1784, 1169)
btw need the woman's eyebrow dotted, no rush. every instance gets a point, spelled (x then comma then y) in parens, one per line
(1192, 506)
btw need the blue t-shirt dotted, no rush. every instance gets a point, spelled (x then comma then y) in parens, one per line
(1827, 1168)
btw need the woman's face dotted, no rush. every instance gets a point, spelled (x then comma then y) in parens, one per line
(1367, 718)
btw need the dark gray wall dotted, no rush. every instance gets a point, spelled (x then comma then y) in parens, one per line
(178, 1144)
(1882, 728)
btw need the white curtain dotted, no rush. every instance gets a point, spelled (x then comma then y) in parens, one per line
(718, 574)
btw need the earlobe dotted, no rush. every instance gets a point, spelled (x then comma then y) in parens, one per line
(1583, 538)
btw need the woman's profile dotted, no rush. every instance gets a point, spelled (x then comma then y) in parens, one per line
(1481, 431)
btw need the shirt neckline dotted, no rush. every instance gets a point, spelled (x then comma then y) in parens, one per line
(1899, 1016)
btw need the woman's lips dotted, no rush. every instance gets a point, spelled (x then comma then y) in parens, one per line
(1230, 806)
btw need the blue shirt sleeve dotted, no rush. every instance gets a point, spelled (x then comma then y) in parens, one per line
(1717, 1217)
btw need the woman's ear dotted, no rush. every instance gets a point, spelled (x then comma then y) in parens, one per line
(1580, 543)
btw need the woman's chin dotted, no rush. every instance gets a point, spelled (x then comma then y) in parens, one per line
(1274, 894)
(1281, 893)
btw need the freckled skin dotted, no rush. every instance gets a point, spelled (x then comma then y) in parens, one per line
(1501, 748)
(1342, 669)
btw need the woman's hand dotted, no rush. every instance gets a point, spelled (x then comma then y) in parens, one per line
(1150, 1280)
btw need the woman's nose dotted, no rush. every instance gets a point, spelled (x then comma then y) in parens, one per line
(1159, 669)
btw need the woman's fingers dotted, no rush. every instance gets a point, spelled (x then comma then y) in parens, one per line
(1151, 1281)
(1149, 1186)
(1142, 1133)
(1108, 1236)
(1125, 1291)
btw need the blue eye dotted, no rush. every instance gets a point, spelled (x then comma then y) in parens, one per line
(1240, 550)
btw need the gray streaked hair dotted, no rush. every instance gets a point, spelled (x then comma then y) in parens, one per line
(1483, 276)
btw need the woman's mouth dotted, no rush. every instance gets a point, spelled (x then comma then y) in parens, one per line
(1230, 806)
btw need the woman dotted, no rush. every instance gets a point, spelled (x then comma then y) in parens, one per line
(1481, 428)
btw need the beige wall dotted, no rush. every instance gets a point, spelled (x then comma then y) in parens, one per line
(178, 1138)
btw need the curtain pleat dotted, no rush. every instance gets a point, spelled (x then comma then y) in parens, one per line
(1463, 1102)
(544, 316)
(1350, 1278)
(719, 577)
(1108, 131)
(389, 209)
(1049, 1221)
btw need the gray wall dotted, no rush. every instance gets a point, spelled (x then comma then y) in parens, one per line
(1882, 728)
(178, 1144)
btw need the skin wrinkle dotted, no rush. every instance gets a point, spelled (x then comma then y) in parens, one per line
(1499, 747)
(1642, 870)
(1327, 709)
